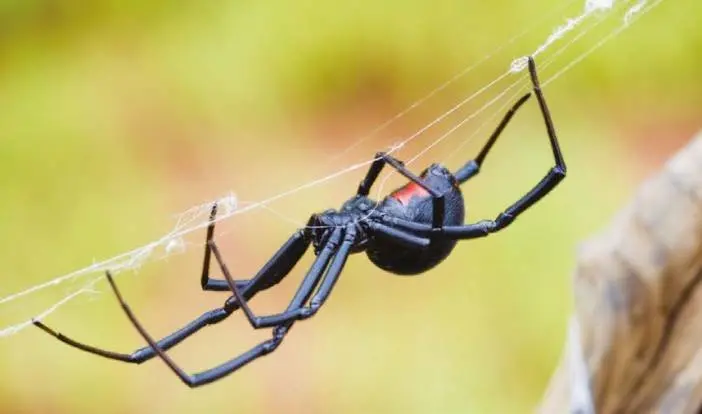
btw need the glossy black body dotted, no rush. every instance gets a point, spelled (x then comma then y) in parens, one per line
(388, 253)
(392, 256)
(408, 232)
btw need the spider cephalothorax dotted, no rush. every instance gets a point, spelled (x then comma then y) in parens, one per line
(408, 232)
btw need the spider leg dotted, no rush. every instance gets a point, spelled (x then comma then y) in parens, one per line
(405, 238)
(309, 283)
(554, 175)
(210, 375)
(472, 167)
(304, 292)
(372, 174)
(330, 279)
(295, 310)
(379, 162)
(269, 275)
(145, 353)
(207, 283)
(543, 187)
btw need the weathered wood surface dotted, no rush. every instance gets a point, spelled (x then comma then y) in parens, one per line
(635, 341)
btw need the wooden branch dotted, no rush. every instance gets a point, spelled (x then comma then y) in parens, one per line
(635, 340)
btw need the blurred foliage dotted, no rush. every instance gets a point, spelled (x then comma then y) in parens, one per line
(116, 114)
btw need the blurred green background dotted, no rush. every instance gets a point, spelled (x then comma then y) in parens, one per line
(115, 115)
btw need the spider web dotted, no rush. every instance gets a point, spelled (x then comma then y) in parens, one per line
(197, 217)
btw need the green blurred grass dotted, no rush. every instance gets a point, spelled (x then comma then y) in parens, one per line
(117, 114)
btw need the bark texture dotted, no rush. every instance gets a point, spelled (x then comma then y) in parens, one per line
(635, 340)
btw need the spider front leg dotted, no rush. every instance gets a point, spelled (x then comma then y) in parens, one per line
(472, 167)
(555, 174)
(504, 219)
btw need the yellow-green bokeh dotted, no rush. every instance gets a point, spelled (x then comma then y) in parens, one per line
(116, 115)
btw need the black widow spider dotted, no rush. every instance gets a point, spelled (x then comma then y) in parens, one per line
(408, 232)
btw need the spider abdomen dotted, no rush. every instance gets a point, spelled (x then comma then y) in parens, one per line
(411, 202)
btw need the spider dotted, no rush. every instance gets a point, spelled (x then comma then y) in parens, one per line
(409, 232)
